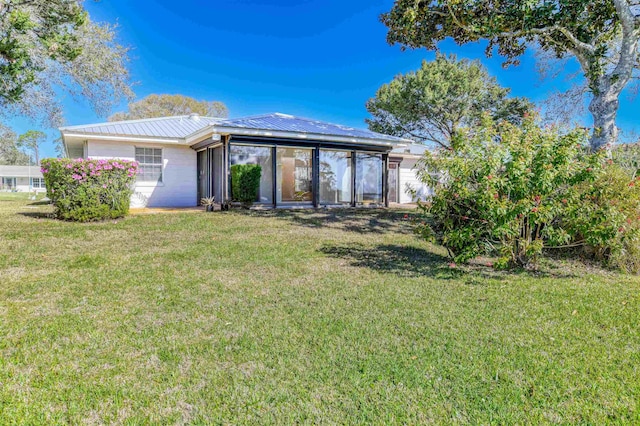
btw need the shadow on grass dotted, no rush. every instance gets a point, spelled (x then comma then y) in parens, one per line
(37, 215)
(376, 221)
(411, 262)
(405, 261)
(40, 203)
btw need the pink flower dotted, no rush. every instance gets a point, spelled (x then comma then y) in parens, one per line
(452, 265)
(406, 216)
(104, 186)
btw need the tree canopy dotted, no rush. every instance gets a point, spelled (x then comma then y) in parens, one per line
(603, 37)
(31, 142)
(10, 154)
(441, 98)
(169, 105)
(48, 46)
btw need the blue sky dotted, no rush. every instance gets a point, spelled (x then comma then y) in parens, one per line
(313, 58)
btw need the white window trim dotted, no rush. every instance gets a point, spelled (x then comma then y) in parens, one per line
(150, 184)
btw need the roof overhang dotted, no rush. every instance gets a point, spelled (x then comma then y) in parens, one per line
(228, 130)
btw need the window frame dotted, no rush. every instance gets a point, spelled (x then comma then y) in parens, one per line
(142, 164)
(40, 185)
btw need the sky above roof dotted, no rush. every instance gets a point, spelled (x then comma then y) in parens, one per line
(321, 59)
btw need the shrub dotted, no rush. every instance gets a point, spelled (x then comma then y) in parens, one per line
(245, 182)
(627, 156)
(606, 217)
(516, 191)
(89, 190)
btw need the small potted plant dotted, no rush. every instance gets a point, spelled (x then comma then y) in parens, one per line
(208, 203)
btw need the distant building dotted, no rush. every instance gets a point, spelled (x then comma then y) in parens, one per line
(21, 179)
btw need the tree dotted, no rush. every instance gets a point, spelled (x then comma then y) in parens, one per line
(603, 36)
(10, 154)
(31, 141)
(169, 105)
(444, 96)
(48, 46)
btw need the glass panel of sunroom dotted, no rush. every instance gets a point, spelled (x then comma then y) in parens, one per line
(261, 155)
(369, 172)
(335, 177)
(294, 175)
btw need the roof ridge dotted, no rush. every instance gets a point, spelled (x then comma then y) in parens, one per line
(297, 117)
(139, 120)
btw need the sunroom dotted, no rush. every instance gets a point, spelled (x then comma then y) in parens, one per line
(339, 167)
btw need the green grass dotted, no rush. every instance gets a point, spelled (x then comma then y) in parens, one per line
(298, 317)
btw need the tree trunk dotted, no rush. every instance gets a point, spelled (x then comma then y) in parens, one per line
(604, 109)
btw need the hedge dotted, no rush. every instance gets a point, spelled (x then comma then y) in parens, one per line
(245, 182)
(89, 190)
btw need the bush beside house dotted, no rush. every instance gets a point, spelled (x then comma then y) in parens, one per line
(516, 191)
(245, 182)
(89, 190)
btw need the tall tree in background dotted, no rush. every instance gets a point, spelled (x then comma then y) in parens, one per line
(10, 154)
(169, 105)
(48, 46)
(602, 35)
(31, 142)
(441, 98)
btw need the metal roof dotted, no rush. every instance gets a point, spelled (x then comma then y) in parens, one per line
(185, 126)
(411, 149)
(289, 123)
(179, 126)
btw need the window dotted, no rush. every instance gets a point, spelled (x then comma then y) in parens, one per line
(369, 172)
(335, 177)
(8, 183)
(294, 175)
(261, 155)
(37, 183)
(149, 164)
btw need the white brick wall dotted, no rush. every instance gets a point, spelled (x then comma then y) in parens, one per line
(179, 180)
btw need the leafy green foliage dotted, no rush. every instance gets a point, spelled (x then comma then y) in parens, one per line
(245, 182)
(517, 190)
(10, 154)
(31, 142)
(603, 36)
(89, 190)
(441, 98)
(49, 45)
(169, 105)
(627, 156)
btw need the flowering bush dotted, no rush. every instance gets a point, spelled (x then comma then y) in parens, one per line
(87, 190)
(516, 191)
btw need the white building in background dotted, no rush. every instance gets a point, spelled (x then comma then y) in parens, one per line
(21, 179)
(403, 179)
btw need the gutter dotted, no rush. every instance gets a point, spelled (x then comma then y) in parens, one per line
(98, 136)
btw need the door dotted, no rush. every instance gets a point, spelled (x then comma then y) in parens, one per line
(203, 190)
(393, 183)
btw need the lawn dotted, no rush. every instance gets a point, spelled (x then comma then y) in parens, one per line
(298, 317)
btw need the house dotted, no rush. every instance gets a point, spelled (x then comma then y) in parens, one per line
(21, 179)
(304, 162)
(404, 184)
